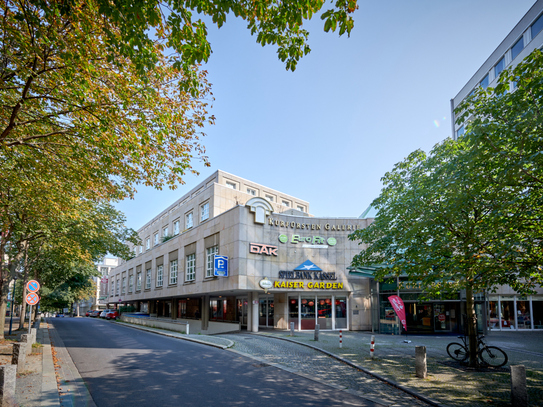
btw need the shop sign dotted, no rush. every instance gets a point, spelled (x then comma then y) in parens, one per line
(265, 284)
(308, 271)
(258, 248)
(310, 285)
(313, 226)
(309, 241)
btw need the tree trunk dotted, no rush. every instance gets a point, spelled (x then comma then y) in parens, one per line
(23, 307)
(471, 325)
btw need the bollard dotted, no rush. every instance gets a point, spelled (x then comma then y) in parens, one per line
(19, 355)
(26, 338)
(7, 385)
(340, 339)
(33, 334)
(372, 346)
(519, 395)
(420, 362)
(292, 329)
(317, 326)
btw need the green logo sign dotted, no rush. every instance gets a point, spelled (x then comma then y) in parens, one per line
(283, 238)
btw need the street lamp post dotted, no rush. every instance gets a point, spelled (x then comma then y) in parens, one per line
(12, 304)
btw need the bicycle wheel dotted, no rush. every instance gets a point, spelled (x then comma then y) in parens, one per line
(493, 356)
(457, 351)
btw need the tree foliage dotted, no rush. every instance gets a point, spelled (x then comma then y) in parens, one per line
(466, 216)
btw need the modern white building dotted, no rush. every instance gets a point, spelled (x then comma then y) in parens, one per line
(526, 36)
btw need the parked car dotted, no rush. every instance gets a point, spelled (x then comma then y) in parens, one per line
(59, 315)
(104, 312)
(87, 314)
(113, 314)
(95, 313)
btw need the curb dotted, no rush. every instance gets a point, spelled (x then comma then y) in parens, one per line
(49, 391)
(363, 369)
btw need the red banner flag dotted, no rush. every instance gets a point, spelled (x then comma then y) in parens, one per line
(399, 308)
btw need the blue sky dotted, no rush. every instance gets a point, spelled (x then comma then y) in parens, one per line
(354, 107)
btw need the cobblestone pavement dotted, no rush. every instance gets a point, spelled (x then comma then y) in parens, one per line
(316, 365)
(448, 382)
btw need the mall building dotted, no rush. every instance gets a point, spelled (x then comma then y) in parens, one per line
(232, 254)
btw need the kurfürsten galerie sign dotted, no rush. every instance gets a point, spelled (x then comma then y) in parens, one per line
(312, 226)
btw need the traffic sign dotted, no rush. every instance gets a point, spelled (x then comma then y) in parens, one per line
(221, 266)
(32, 299)
(32, 286)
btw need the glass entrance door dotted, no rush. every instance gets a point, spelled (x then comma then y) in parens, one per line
(242, 311)
(265, 312)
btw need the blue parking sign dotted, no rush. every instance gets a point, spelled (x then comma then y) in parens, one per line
(221, 266)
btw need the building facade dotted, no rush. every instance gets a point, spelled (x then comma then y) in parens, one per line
(232, 254)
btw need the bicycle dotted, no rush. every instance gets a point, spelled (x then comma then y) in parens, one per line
(489, 355)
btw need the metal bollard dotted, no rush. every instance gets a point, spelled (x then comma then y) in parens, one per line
(340, 339)
(7, 385)
(292, 329)
(420, 362)
(317, 326)
(519, 395)
(372, 346)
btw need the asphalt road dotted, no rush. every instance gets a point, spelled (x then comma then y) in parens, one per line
(122, 366)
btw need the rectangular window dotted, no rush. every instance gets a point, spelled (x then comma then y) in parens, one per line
(251, 191)
(176, 228)
(499, 67)
(173, 271)
(156, 238)
(269, 198)
(188, 220)
(112, 290)
(117, 286)
(138, 281)
(159, 275)
(286, 203)
(231, 185)
(537, 26)
(210, 260)
(190, 274)
(131, 283)
(517, 48)
(147, 244)
(204, 212)
(165, 232)
(141, 249)
(148, 279)
(301, 208)
(123, 291)
(484, 82)
(460, 132)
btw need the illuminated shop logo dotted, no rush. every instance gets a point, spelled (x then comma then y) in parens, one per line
(258, 248)
(308, 265)
(309, 241)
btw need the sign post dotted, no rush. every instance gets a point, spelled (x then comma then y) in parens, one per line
(32, 299)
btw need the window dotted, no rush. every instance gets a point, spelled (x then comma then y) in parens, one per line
(204, 212)
(499, 67)
(148, 279)
(537, 26)
(210, 260)
(159, 275)
(517, 48)
(135, 250)
(131, 283)
(147, 244)
(138, 281)
(251, 191)
(191, 267)
(141, 249)
(286, 203)
(301, 208)
(460, 132)
(188, 220)
(231, 184)
(173, 271)
(156, 238)
(269, 197)
(165, 232)
(117, 286)
(176, 227)
(484, 82)
(112, 290)
(123, 290)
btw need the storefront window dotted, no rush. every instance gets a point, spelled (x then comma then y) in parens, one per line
(388, 323)
(537, 304)
(308, 313)
(341, 313)
(523, 314)
(493, 317)
(293, 312)
(507, 312)
(324, 310)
